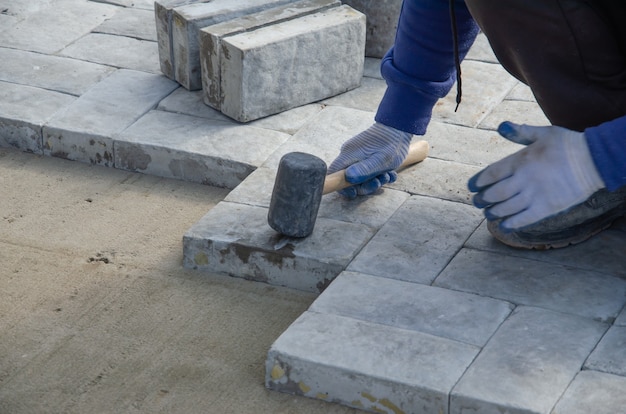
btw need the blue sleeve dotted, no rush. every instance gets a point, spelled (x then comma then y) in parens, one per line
(420, 67)
(607, 144)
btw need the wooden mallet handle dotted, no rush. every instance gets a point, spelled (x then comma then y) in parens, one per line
(336, 181)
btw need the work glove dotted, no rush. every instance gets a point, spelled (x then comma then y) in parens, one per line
(370, 159)
(553, 173)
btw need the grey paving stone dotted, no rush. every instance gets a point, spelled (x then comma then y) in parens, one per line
(23, 111)
(527, 365)
(188, 19)
(138, 4)
(191, 148)
(50, 72)
(596, 254)
(83, 130)
(593, 392)
(371, 69)
(300, 54)
(365, 365)
(324, 134)
(118, 51)
(528, 282)
(163, 12)
(372, 211)
(418, 241)
(210, 39)
(235, 239)
(485, 85)
(131, 22)
(520, 112)
(610, 354)
(621, 319)
(481, 50)
(365, 98)
(448, 314)
(49, 28)
(521, 92)
(449, 142)
(191, 103)
(437, 178)
(382, 22)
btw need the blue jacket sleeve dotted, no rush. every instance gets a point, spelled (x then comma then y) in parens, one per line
(607, 144)
(420, 67)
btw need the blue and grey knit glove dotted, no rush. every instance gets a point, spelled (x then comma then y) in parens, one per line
(370, 159)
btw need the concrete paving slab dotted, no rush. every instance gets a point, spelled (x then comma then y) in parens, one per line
(448, 314)
(371, 68)
(621, 319)
(593, 295)
(365, 98)
(366, 365)
(418, 241)
(83, 130)
(610, 354)
(467, 145)
(188, 19)
(118, 51)
(527, 365)
(593, 392)
(520, 112)
(382, 21)
(23, 112)
(132, 22)
(432, 177)
(235, 239)
(299, 53)
(211, 39)
(481, 50)
(59, 74)
(597, 254)
(485, 85)
(50, 27)
(521, 92)
(191, 103)
(191, 148)
(137, 4)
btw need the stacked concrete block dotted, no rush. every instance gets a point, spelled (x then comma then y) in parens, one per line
(211, 39)
(163, 10)
(292, 63)
(186, 23)
(382, 22)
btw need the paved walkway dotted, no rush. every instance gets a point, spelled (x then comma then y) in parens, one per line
(421, 310)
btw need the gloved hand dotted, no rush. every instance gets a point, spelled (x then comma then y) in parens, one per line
(553, 173)
(370, 158)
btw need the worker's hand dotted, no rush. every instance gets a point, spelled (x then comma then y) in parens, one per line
(370, 159)
(553, 173)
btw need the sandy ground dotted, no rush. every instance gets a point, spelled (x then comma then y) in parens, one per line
(97, 314)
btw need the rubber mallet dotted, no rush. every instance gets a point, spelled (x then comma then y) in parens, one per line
(301, 181)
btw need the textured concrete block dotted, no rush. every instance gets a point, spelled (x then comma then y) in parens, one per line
(593, 392)
(382, 22)
(610, 354)
(445, 313)
(418, 241)
(211, 39)
(163, 11)
(527, 365)
(292, 63)
(186, 23)
(23, 112)
(131, 22)
(366, 365)
(235, 239)
(589, 294)
(194, 149)
(83, 131)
